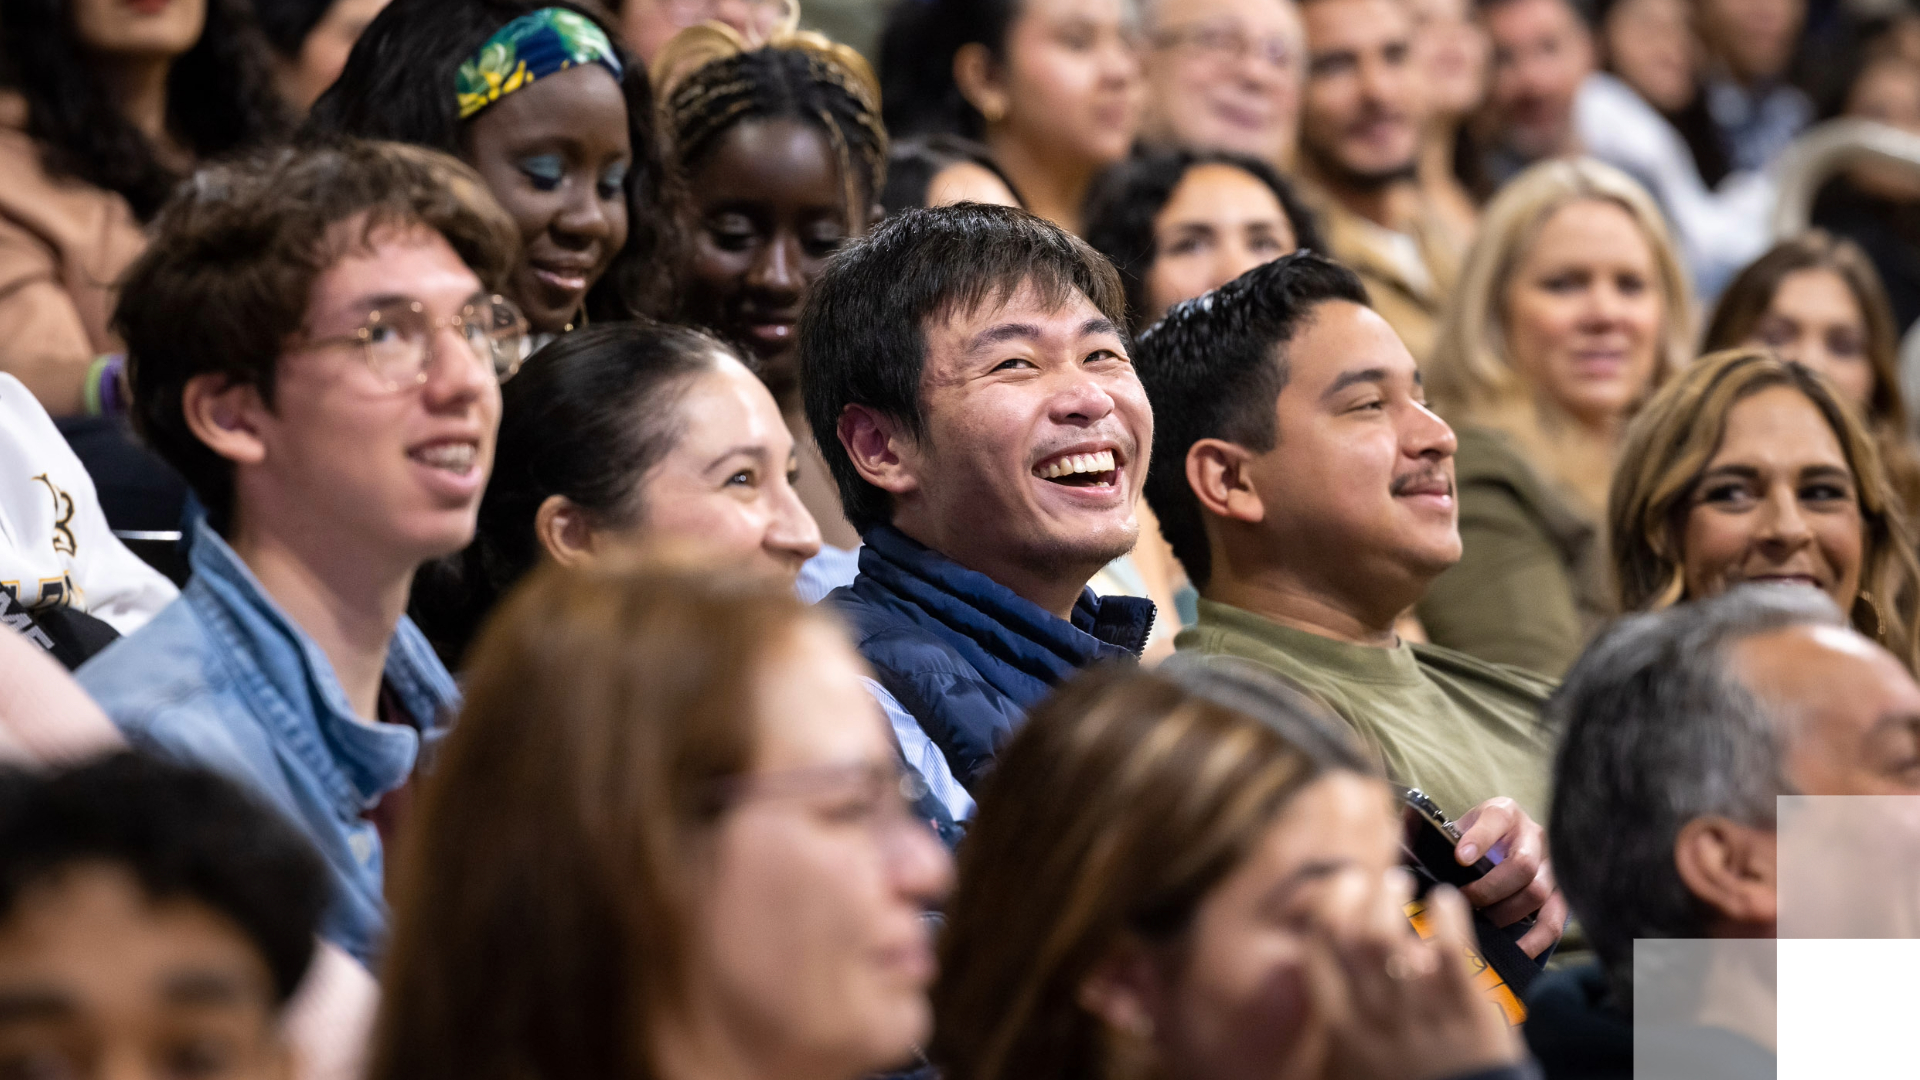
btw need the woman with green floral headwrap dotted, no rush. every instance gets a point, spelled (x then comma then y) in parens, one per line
(557, 119)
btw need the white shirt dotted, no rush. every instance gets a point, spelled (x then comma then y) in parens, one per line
(1718, 230)
(55, 546)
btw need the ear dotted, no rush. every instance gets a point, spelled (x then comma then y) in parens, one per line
(226, 415)
(882, 453)
(565, 530)
(1732, 868)
(979, 83)
(1125, 992)
(1217, 473)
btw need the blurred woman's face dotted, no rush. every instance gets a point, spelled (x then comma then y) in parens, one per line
(1072, 80)
(768, 207)
(810, 954)
(1815, 319)
(1584, 312)
(1238, 1003)
(148, 30)
(1453, 56)
(1650, 45)
(1219, 223)
(556, 155)
(1777, 502)
(1887, 91)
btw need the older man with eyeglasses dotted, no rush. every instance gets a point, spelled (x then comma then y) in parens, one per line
(1224, 75)
(315, 343)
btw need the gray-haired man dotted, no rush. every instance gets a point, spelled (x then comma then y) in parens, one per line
(1681, 729)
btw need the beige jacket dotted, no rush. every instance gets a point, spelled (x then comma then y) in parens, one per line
(1412, 303)
(63, 245)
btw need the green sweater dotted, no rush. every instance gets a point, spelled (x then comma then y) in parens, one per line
(1531, 585)
(1460, 729)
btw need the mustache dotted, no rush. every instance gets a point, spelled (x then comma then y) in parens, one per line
(1401, 484)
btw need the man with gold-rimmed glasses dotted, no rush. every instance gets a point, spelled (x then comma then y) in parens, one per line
(316, 343)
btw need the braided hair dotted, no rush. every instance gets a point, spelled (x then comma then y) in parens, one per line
(709, 82)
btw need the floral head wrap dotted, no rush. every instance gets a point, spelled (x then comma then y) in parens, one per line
(531, 47)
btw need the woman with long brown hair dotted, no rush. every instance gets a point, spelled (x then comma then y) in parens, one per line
(667, 839)
(1816, 298)
(1193, 873)
(1751, 468)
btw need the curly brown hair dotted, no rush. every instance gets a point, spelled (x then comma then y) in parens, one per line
(232, 260)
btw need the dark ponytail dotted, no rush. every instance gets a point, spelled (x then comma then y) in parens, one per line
(587, 417)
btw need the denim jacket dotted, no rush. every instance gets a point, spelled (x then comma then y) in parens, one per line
(223, 678)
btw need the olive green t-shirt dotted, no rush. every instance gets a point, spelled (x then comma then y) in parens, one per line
(1460, 729)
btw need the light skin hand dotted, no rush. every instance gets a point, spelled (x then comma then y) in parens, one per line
(1401, 1007)
(1522, 884)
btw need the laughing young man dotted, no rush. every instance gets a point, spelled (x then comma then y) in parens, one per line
(315, 344)
(1308, 490)
(967, 375)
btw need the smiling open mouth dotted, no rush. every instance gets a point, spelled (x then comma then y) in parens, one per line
(1079, 470)
(454, 457)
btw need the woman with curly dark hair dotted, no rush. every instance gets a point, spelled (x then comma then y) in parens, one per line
(558, 120)
(103, 107)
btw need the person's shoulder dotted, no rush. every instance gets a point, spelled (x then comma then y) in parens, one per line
(1485, 454)
(1219, 636)
(164, 665)
(888, 638)
(1503, 679)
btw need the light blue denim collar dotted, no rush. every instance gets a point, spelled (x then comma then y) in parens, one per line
(289, 685)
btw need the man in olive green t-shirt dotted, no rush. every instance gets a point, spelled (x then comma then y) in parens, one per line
(1308, 490)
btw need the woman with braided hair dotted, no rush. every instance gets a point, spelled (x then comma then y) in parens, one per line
(783, 155)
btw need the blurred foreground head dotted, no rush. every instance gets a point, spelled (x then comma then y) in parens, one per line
(668, 837)
(1681, 728)
(1161, 863)
(154, 920)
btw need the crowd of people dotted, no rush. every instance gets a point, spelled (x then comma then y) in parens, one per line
(1050, 539)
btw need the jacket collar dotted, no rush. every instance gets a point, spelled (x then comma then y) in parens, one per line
(290, 686)
(1023, 649)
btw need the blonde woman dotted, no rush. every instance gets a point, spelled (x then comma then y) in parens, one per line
(1571, 310)
(1750, 468)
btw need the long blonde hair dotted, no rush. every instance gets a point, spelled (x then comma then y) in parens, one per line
(1669, 445)
(1471, 377)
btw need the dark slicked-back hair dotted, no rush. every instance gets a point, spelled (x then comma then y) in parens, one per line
(1213, 368)
(1127, 198)
(863, 333)
(183, 834)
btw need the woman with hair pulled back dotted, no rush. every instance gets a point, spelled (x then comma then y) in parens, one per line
(557, 119)
(783, 156)
(1192, 872)
(617, 439)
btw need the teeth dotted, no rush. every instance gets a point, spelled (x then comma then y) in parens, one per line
(454, 457)
(1076, 463)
